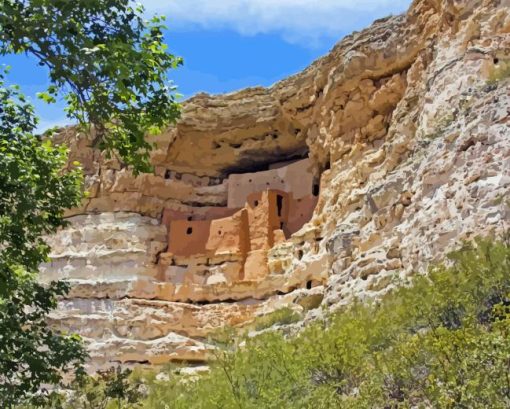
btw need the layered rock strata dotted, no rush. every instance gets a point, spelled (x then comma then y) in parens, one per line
(405, 127)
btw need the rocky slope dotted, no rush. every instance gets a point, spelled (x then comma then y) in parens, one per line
(407, 127)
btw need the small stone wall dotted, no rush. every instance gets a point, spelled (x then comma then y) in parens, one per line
(296, 178)
(202, 242)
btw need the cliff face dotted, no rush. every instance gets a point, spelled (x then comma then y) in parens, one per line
(337, 182)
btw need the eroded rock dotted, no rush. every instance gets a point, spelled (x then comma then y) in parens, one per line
(404, 129)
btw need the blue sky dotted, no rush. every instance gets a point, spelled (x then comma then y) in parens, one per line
(232, 44)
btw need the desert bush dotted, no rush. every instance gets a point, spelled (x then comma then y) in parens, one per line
(441, 341)
(282, 316)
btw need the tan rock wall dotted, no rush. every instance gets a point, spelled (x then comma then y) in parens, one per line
(407, 125)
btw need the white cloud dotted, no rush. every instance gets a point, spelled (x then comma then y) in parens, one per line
(296, 20)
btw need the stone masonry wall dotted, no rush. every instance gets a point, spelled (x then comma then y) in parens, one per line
(406, 129)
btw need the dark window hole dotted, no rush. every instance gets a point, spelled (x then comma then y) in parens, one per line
(316, 189)
(189, 230)
(190, 218)
(300, 254)
(168, 174)
(496, 60)
(279, 204)
(256, 203)
(309, 285)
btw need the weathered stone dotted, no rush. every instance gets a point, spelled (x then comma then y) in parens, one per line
(408, 154)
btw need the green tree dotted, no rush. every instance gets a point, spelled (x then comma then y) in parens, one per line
(109, 61)
(33, 194)
(111, 66)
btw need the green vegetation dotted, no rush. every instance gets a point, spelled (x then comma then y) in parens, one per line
(225, 337)
(283, 316)
(111, 65)
(112, 389)
(443, 342)
(33, 194)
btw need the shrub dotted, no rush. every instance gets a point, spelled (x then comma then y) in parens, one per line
(442, 342)
(283, 316)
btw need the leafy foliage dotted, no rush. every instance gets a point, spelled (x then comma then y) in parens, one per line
(111, 389)
(111, 63)
(442, 342)
(283, 316)
(33, 195)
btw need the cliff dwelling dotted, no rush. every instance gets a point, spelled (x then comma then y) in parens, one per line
(233, 224)
(230, 244)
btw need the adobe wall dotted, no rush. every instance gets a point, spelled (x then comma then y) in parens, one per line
(265, 216)
(296, 178)
(209, 237)
(188, 238)
(196, 213)
(300, 213)
(230, 235)
(268, 214)
(229, 245)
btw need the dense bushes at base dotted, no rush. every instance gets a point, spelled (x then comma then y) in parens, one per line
(443, 342)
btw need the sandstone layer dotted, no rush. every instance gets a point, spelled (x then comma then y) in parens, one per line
(405, 129)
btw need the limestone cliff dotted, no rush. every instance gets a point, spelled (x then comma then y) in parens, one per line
(337, 182)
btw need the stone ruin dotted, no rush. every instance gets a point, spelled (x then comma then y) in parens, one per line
(406, 123)
(230, 244)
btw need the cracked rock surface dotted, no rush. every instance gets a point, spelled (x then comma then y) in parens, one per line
(407, 127)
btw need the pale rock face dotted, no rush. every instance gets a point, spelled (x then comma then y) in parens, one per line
(407, 127)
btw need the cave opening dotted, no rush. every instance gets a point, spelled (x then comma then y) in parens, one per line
(250, 162)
